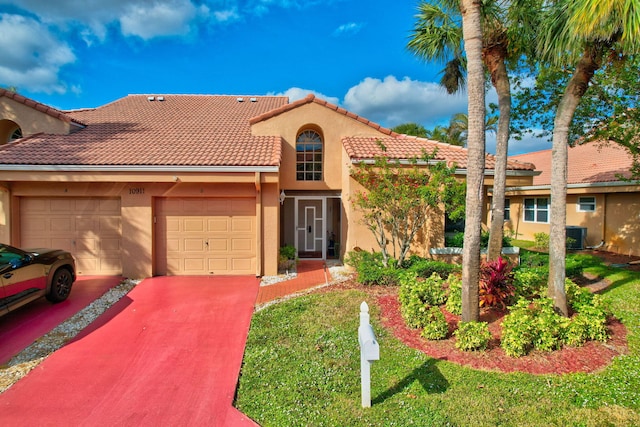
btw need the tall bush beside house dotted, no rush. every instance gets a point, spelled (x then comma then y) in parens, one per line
(398, 200)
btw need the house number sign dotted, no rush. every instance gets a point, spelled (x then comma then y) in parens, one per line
(136, 190)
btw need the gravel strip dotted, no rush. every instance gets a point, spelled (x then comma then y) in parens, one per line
(31, 356)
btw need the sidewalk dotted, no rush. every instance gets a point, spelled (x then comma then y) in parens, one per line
(310, 274)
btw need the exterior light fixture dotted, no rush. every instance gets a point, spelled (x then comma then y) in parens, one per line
(282, 196)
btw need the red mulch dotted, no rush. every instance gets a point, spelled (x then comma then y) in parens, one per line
(588, 358)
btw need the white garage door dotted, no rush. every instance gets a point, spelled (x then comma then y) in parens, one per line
(202, 236)
(89, 228)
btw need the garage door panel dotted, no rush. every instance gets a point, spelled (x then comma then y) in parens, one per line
(194, 265)
(219, 264)
(244, 264)
(242, 245)
(205, 230)
(59, 225)
(194, 225)
(218, 225)
(62, 205)
(89, 228)
(242, 225)
(110, 245)
(194, 245)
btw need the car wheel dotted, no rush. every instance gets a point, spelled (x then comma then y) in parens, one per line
(60, 286)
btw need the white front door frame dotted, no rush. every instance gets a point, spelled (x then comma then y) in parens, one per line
(322, 239)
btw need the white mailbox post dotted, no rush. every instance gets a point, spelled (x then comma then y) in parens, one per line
(369, 351)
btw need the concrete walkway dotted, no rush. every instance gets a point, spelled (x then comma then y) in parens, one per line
(310, 273)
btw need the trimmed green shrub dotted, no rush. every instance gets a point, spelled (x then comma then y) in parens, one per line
(370, 269)
(541, 241)
(436, 327)
(456, 240)
(454, 297)
(426, 267)
(472, 336)
(518, 330)
(530, 283)
(548, 326)
(417, 296)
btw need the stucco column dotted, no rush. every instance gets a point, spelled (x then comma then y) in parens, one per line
(137, 232)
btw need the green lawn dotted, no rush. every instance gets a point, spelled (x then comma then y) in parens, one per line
(301, 368)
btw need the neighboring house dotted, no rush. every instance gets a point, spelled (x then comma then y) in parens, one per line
(194, 184)
(601, 207)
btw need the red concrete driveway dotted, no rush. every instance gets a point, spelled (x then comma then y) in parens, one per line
(22, 327)
(167, 354)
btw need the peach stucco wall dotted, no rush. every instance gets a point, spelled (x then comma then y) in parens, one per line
(137, 207)
(332, 126)
(29, 120)
(615, 220)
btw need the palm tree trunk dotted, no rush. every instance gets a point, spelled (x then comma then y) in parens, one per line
(495, 61)
(472, 32)
(576, 88)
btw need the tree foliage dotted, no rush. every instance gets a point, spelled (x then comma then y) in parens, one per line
(413, 129)
(398, 200)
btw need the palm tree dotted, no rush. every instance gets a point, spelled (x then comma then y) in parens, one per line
(472, 34)
(508, 30)
(584, 34)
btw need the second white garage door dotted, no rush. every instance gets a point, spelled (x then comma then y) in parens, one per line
(202, 236)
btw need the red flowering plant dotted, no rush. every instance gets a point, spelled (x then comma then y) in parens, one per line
(496, 283)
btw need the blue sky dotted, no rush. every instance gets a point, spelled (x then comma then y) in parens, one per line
(85, 53)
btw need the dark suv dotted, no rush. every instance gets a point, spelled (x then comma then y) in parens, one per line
(26, 275)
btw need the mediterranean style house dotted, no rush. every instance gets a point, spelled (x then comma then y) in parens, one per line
(603, 206)
(196, 184)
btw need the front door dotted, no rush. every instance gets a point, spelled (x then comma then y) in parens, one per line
(310, 226)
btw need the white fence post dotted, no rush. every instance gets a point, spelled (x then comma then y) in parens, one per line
(369, 351)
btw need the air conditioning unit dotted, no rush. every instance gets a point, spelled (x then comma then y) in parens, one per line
(578, 236)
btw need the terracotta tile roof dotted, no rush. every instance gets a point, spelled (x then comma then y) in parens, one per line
(312, 99)
(40, 107)
(402, 147)
(180, 130)
(587, 163)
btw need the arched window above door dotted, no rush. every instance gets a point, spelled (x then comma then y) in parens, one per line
(309, 150)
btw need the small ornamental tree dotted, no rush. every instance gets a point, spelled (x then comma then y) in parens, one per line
(399, 199)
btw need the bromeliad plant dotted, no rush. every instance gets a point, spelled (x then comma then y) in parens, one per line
(496, 283)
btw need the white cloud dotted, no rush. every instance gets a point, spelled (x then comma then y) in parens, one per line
(350, 28)
(139, 18)
(32, 56)
(169, 18)
(296, 93)
(391, 102)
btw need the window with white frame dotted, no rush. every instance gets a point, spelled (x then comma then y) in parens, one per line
(507, 209)
(309, 156)
(587, 204)
(536, 209)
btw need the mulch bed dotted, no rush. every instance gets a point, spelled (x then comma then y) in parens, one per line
(593, 356)
(588, 358)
